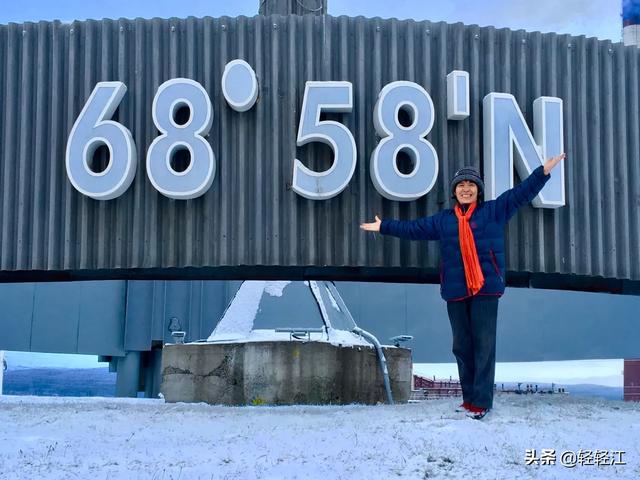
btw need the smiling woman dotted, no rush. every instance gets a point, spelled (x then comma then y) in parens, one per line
(466, 192)
(472, 277)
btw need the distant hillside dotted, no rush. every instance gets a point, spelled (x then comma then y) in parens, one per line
(61, 382)
(586, 390)
(578, 390)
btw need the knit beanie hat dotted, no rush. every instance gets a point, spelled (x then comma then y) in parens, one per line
(467, 173)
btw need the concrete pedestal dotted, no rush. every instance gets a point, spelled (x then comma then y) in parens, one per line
(281, 373)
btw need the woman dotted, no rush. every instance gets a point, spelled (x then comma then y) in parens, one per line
(472, 248)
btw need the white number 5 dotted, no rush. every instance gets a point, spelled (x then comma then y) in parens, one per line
(328, 97)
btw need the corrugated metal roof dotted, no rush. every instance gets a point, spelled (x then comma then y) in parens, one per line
(250, 216)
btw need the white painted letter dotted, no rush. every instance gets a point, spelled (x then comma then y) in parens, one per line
(504, 128)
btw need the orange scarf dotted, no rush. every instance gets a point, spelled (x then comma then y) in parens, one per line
(472, 271)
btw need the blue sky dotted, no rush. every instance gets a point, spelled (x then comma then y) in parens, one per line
(593, 18)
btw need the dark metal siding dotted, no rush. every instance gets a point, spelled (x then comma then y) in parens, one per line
(250, 217)
(632, 380)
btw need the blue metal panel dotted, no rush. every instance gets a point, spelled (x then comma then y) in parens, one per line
(55, 318)
(178, 306)
(390, 309)
(156, 307)
(89, 317)
(536, 325)
(16, 310)
(101, 315)
(533, 325)
(139, 315)
(428, 322)
(68, 317)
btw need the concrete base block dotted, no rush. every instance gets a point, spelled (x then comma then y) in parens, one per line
(281, 373)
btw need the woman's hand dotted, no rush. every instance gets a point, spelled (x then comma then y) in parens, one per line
(372, 227)
(552, 162)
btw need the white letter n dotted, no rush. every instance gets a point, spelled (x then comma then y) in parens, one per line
(504, 128)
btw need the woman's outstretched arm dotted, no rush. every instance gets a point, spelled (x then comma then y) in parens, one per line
(508, 203)
(425, 228)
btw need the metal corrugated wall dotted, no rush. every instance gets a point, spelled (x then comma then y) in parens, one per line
(250, 216)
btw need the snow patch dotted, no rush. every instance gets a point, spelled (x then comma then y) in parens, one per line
(334, 304)
(237, 321)
(265, 335)
(345, 338)
(335, 337)
(275, 289)
(316, 293)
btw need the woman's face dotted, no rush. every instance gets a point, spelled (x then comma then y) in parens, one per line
(466, 192)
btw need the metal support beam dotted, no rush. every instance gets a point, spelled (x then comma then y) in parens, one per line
(152, 373)
(128, 377)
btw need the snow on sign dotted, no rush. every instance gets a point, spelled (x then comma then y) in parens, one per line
(503, 122)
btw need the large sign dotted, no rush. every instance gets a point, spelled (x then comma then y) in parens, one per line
(508, 141)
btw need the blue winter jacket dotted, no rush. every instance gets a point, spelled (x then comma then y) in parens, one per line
(487, 223)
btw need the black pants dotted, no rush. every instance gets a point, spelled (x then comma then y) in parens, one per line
(473, 324)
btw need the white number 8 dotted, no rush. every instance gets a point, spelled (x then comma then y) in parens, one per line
(196, 179)
(386, 177)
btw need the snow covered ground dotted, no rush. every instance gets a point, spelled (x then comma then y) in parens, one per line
(99, 438)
